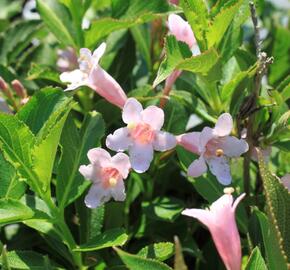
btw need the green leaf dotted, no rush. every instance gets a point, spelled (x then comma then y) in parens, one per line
(134, 262)
(57, 19)
(179, 263)
(12, 211)
(221, 23)
(281, 47)
(163, 208)
(197, 15)
(111, 238)
(179, 57)
(11, 186)
(278, 202)
(42, 72)
(159, 251)
(17, 38)
(16, 142)
(75, 145)
(135, 13)
(274, 256)
(256, 261)
(22, 259)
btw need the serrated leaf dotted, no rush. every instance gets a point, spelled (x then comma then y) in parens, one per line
(256, 261)
(22, 259)
(75, 145)
(221, 23)
(111, 238)
(12, 211)
(134, 262)
(57, 19)
(274, 256)
(42, 72)
(135, 13)
(11, 186)
(16, 142)
(179, 57)
(159, 251)
(278, 202)
(17, 38)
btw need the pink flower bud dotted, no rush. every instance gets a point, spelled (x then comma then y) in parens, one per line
(174, 2)
(19, 89)
(220, 220)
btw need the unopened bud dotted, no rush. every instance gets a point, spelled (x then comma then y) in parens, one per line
(19, 89)
(3, 84)
(24, 100)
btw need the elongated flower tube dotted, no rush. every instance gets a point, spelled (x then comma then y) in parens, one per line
(93, 76)
(215, 147)
(220, 220)
(142, 135)
(107, 174)
(182, 32)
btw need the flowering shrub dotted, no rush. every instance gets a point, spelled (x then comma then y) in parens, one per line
(144, 134)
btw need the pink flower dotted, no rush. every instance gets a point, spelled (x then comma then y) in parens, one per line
(215, 147)
(141, 135)
(174, 2)
(220, 220)
(107, 174)
(67, 60)
(92, 75)
(182, 32)
(286, 181)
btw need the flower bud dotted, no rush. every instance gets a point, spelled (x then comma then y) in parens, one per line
(19, 89)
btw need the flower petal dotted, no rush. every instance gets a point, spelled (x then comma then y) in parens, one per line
(119, 140)
(98, 53)
(106, 86)
(204, 216)
(153, 116)
(233, 147)
(141, 156)
(286, 181)
(97, 196)
(205, 136)
(118, 192)
(197, 167)
(75, 78)
(99, 156)
(224, 125)
(219, 167)
(122, 163)
(132, 111)
(87, 171)
(164, 141)
(190, 141)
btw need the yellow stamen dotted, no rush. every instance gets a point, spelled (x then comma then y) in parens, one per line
(229, 190)
(113, 181)
(219, 152)
(131, 125)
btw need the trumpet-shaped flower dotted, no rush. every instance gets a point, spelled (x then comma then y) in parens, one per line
(220, 220)
(93, 76)
(215, 147)
(182, 32)
(142, 134)
(107, 174)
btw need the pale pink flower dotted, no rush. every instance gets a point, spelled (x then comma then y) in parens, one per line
(182, 32)
(220, 220)
(142, 134)
(107, 174)
(286, 181)
(174, 2)
(92, 75)
(67, 60)
(215, 147)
